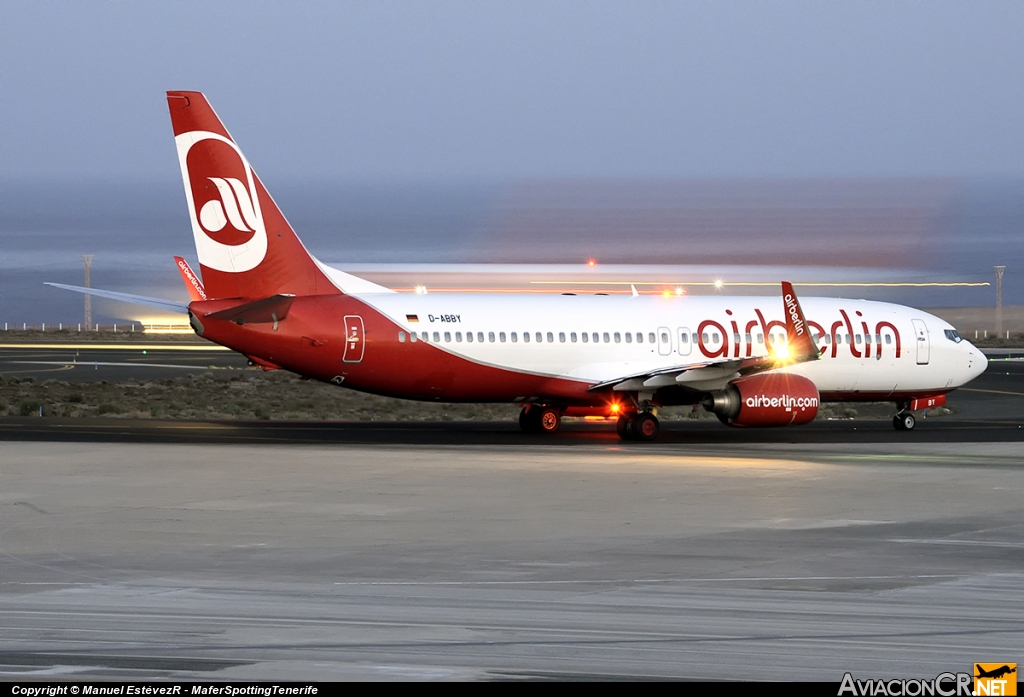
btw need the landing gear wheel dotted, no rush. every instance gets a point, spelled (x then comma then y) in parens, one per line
(622, 427)
(536, 419)
(528, 421)
(548, 420)
(645, 427)
(904, 422)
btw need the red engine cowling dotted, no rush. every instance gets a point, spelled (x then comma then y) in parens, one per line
(766, 399)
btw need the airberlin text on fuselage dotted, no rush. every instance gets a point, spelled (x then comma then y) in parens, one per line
(845, 326)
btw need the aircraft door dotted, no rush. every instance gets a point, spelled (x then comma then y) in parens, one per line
(685, 347)
(923, 344)
(354, 339)
(664, 341)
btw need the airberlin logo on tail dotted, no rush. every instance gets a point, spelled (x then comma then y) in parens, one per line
(220, 186)
(234, 206)
(794, 314)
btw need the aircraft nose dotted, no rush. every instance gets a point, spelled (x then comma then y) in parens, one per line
(977, 361)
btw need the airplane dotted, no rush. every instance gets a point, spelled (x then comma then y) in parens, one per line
(995, 673)
(751, 361)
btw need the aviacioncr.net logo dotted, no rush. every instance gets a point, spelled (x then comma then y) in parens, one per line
(227, 222)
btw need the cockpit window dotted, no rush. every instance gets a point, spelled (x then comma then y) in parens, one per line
(953, 336)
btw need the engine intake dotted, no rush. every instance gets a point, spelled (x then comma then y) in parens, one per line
(766, 399)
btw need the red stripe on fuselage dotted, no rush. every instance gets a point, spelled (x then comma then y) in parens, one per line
(311, 342)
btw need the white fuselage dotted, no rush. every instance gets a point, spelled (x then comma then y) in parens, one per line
(868, 348)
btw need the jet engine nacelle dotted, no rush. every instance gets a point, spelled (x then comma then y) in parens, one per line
(766, 399)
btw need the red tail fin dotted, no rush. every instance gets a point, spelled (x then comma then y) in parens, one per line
(246, 247)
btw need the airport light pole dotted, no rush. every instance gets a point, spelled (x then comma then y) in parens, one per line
(87, 258)
(999, 299)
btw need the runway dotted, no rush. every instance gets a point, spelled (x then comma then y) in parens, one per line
(250, 550)
(436, 562)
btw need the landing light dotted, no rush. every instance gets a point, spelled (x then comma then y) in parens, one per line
(591, 262)
(781, 350)
(718, 284)
(421, 290)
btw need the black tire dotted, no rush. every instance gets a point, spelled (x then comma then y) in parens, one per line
(645, 427)
(622, 426)
(528, 421)
(908, 421)
(548, 419)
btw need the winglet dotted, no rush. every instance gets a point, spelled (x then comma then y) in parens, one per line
(192, 282)
(798, 334)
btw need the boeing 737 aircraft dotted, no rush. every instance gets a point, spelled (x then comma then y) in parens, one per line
(752, 361)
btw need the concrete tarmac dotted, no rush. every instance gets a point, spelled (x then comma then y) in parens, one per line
(434, 562)
(318, 551)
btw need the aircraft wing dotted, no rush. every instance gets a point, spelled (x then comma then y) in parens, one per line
(702, 375)
(159, 303)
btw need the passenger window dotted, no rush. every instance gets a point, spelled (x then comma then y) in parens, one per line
(526, 337)
(760, 338)
(469, 337)
(888, 339)
(618, 338)
(501, 337)
(447, 336)
(586, 337)
(867, 338)
(714, 337)
(596, 337)
(458, 336)
(551, 338)
(664, 337)
(480, 337)
(704, 337)
(878, 338)
(561, 337)
(514, 338)
(490, 337)
(747, 338)
(629, 338)
(650, 337)
(858, 338)
(639, 337)
(607, 339)
(736, 338)
(848, 339)
(572, 337)
(684, 338)
(539, 337)
(401, 337)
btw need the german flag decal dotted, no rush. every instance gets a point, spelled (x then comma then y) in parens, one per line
(412, 318)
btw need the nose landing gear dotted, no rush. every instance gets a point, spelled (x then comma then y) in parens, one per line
(904, 421)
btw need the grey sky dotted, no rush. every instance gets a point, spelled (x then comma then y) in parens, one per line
(379, 90)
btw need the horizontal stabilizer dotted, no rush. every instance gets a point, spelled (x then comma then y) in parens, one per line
(272, 309)
(159, 303)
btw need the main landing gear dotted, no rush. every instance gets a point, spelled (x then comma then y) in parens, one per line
(642, 426)
(540, 419)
